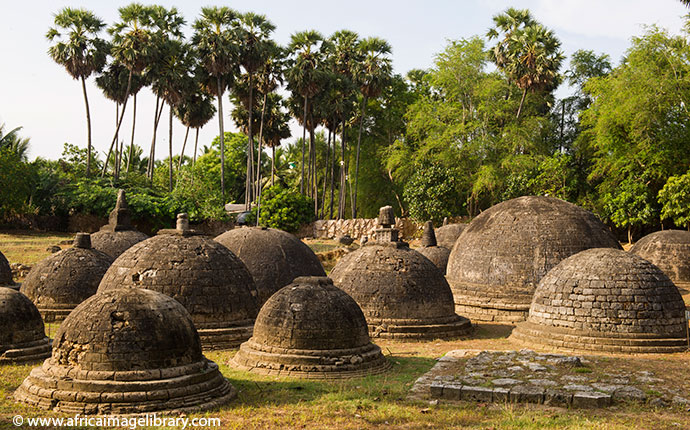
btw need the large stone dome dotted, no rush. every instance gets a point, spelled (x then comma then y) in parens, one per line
(5, 273)
(431, 250)
(273, 257)
(499, 259)
(669, 250)
(126, 351)
(119, 234)
(402, 294)
(203, 275)
(311, 329)
(605, 300)
(22, 334)
(447, 235)
(58, 283)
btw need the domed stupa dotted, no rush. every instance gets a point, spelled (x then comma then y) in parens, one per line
(669, 250)
(273, 257)
(447, 234)
(118, 235)
(6, 279)
(402, 294)
(605, 300)
(311, 329)
(126, 351)
(58, 283)
(203, 275)
(431, 250)
(496, 264)
(22, 333)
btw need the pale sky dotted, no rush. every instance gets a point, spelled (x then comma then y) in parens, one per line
(40, 96)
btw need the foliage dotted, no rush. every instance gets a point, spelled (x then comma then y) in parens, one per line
(431, 193)
(284, 209)
(15, 182)
(674, 198)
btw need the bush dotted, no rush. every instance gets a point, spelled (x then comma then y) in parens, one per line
(284, 209)
(431, 193)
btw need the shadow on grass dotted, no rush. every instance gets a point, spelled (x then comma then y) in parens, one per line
(259, 390)
(492, 331)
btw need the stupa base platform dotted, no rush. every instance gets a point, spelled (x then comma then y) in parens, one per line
(440, 328)
(26, 352)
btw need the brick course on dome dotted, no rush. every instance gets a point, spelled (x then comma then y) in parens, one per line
(118, 235)
(126, 351)
(669, 250)
(496, 265)
(273, 257)
(22, 333)
(61, 281)
(402, 294)
(209, 280)
(605, 300)
(311, 329)
(5, 273)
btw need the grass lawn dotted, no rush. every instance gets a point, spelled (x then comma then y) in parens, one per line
(378, 402)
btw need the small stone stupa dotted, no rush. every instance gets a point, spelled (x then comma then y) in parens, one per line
(431, 250)
(402, 294)
(209, 280)
(58, 283)
(605, 300)
(22, 333)
(311, 329)
(6, 279)
(273, 257)
(118, 235)
(126, 351)
(669, 250)
(447, 234)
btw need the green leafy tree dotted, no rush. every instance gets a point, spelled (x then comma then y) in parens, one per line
(80, 51)
(431, 193)
(631, 206)
(285, 210)
(674, 199)
(13, 143)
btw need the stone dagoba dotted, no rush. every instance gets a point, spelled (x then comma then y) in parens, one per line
(273, 257)
(22, 334)
(496, 264)
(209, 280)
(119, 234)
(126, 351)
(311, 329)
(6, 279)
(669, 250)
(58, 283)
(447, 234)
(431, 250)
(605, 300)
(402, 294)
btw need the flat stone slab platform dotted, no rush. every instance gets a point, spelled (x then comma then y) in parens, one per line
(551, 379)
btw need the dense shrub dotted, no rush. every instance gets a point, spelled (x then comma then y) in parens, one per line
(284, 209)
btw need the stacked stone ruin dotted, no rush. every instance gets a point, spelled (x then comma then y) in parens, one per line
(61, 281)
(127, 351)
(22, 334)
(119, 234)
(431, 250)
(203, 275)
(605, 300)
(448, 234)
(669, 250)
(496, 264)
(274, 257)
(6, 279)
(311, 329)
(402, 294)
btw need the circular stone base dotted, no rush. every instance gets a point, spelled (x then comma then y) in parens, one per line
(213, 339)
(563, 339)
(310, 364)
(26, 352)
(446, 328)
(194, 387)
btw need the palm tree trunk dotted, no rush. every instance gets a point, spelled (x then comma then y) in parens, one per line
(196, 143)
(342, 202)
(261, 136)
(184, 145)
(88, 128)
(119, 123)
(249, 185)
(330, 210)
(170, 152)
(273, 163)
(325, 173)
(522, 101)
(131, 143)
(222, 138)
(152, 154)
(359, 140)
(313, 185)
(304, 138)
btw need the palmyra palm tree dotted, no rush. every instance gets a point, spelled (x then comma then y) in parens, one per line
(372, 75)
(80, 51)
(13, 143)
(195, 111)
(214, 40)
